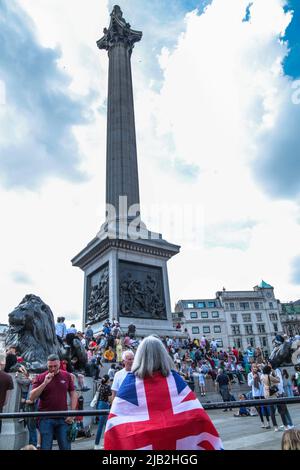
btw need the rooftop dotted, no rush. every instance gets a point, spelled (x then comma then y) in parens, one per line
(264, 285)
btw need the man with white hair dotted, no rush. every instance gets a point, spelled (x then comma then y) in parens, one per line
(127, 358)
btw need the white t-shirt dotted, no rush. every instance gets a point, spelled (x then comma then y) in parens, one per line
(111, 373)
(280, 384)
(118, 379)
(201, 378)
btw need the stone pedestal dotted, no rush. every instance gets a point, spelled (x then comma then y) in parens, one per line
(13, 435)
(128, 281)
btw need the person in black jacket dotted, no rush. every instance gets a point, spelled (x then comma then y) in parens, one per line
(11, 359)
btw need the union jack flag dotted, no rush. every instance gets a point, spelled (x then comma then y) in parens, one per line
(158, 413)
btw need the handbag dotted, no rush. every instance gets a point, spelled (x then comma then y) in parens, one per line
(95, 400)
(72, 432)
(272, 388)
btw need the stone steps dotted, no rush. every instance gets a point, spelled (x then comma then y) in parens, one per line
(212, 395)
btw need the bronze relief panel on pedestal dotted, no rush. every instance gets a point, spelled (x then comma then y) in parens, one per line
(97, 308)
(141, 291)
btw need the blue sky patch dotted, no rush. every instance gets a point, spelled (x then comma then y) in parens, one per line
(296, 271)
(247, 17)
(292, 36)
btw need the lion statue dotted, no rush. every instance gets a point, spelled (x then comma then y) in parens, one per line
(32, 332)
(285, 352)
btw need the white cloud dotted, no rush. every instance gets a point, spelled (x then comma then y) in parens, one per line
(222, 88)
(74, 26)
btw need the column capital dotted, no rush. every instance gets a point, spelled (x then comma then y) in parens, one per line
(119, 32)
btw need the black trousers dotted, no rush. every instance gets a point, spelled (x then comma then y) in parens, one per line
(260, 410)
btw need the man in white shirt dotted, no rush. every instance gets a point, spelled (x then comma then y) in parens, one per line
(214, 345)
(169, 342)
(127, 357)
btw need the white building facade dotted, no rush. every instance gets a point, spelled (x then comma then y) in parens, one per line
(235, 318)
(203, 317)
(252, 317)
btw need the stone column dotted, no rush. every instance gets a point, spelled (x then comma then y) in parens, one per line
(121, 164)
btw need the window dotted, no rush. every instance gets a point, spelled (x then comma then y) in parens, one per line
(217, 329)
(234, 318)
(261, 328)
(244, 305)
(263, 341)
(215, 314)
(270, 304)
(246, 317)
(250, 341)
(204, 314)
(189, 305)
(273, 316)
(258, 305)
(237, 343)
(206, 329)
(226, 306)
(258, 316)
(195, 330)
(194, 315)
(275, 325)
(249, 329)
(235, 329)
(231, 305)
(219, 343)
(200, 304)
(211, 304)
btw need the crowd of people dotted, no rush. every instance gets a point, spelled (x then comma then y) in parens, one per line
(111, 357)
(192, 357)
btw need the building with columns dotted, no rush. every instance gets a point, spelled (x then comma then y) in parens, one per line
(290, 318)
(252, 317)
(202, 317)
(235, 318)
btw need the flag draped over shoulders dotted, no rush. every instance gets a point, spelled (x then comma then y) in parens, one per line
(158, 413)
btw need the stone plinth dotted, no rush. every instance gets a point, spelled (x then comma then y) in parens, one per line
(13, 435)
(137, 259)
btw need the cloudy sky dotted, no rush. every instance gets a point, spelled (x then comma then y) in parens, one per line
(217, 102)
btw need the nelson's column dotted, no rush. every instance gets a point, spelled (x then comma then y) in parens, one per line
(125, 265)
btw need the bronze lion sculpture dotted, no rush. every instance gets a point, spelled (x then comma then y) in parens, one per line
(32, 332)
(285, 353)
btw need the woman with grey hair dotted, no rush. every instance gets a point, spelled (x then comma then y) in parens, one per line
(152, 356)
(155, 409)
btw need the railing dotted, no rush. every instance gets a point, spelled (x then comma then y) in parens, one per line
(206, 406)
